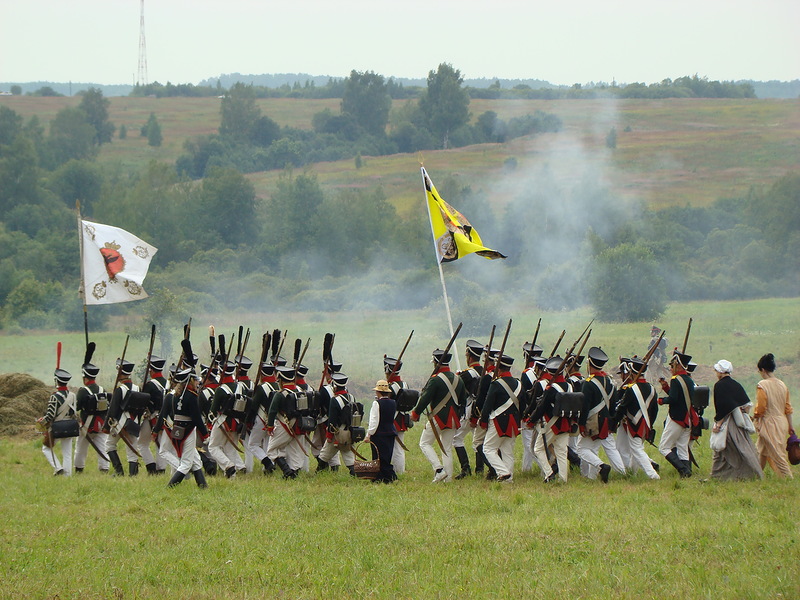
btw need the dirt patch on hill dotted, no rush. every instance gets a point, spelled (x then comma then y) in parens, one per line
(23, 399)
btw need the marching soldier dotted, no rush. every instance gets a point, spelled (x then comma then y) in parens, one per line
(60, 409)
(657, 365)
(471, 377)
(227, 410)
(674, 444)
(500, 417)
(600, 400)
(208, 386)
(306, 398)
(344, 417)
(479, 433)
(443, 392)
(258, 441)
(244, 389)
(155, 387)
(92, 405)
(122, 418)
(322, 403)
(284, 444)
(405, 400)
(182, 407)
(555, 429)
(636, 411)
(530, 375)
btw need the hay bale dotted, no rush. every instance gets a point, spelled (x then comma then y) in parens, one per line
(23, 399)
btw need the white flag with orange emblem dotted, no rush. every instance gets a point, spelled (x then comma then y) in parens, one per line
(114, 264)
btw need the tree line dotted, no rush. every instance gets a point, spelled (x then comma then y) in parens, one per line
(223, 248)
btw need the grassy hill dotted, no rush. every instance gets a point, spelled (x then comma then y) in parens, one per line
(674, 151)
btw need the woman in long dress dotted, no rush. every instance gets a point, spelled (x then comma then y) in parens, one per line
(772, 418)
(738, 460)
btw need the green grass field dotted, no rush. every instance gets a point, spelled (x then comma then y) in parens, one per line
(94, 536)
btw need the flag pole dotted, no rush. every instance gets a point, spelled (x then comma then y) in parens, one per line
(439, 264)
(82, 292)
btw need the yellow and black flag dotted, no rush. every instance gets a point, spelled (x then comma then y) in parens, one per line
(453, 236)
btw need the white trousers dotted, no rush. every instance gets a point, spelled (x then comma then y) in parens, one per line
(589, 451)
(631, 449)
(675, 436)
(499, 451)
(258, 440)
(399, 455)
(190, 458)
(112, 441)
(527, 448)
(143, 442)
(429, 446)
(559, 443)
(66, 445)
(167, 455)
(330, 451)
(221, 449)
(82, 450)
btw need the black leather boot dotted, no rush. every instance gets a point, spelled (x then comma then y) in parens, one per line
(113, 457)
(321, 465)
(200, 478)
(151, 468)
(480, 460)
(573, 458)
(352, 470)
(133, 468)
(230, 472)
(676, 462)
(268, 466)
(463, 458)
(176, 479)
(79, 469)
(283, 465)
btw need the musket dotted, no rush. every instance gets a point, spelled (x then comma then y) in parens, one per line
(122, 433)
(438, 364)
(327, 346)
(49, 432)
(574, 357)
(487, 358)
(569, 353)
(399, 356)
(149, 354)
(283, 339)
(645, 360)
(500, 354)
(225, 430)
(558, 343)
(686, 338)
(536, 333)
(265, 340)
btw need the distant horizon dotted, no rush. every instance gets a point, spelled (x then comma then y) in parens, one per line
(577, 41)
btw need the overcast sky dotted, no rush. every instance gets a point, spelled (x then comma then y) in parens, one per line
(561, 41)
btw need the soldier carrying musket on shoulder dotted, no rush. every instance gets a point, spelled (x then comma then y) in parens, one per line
(92, 405)
(441, 394)
(266, 385)
(125, 411)
(182, 407)
(344, 425)
(600, 402)
(471, 376)
(156, 387)
(226, 409)
(500, 417)
(674, 443)
(530, 377)
(60, 412)
(636, 411)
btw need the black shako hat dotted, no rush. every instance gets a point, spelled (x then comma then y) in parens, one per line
(597, 358)
(62, 376)
(339, 379)
(532, 350)
(157, 363)
(475, 348)
(125, 367)
(441, 358)
(683, 359)
(286, 373)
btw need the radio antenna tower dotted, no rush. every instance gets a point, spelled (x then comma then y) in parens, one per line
(142, 79)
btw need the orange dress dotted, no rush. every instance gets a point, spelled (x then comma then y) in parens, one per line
(772, 406)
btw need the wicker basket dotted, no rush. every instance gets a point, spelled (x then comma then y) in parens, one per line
(367, 469)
